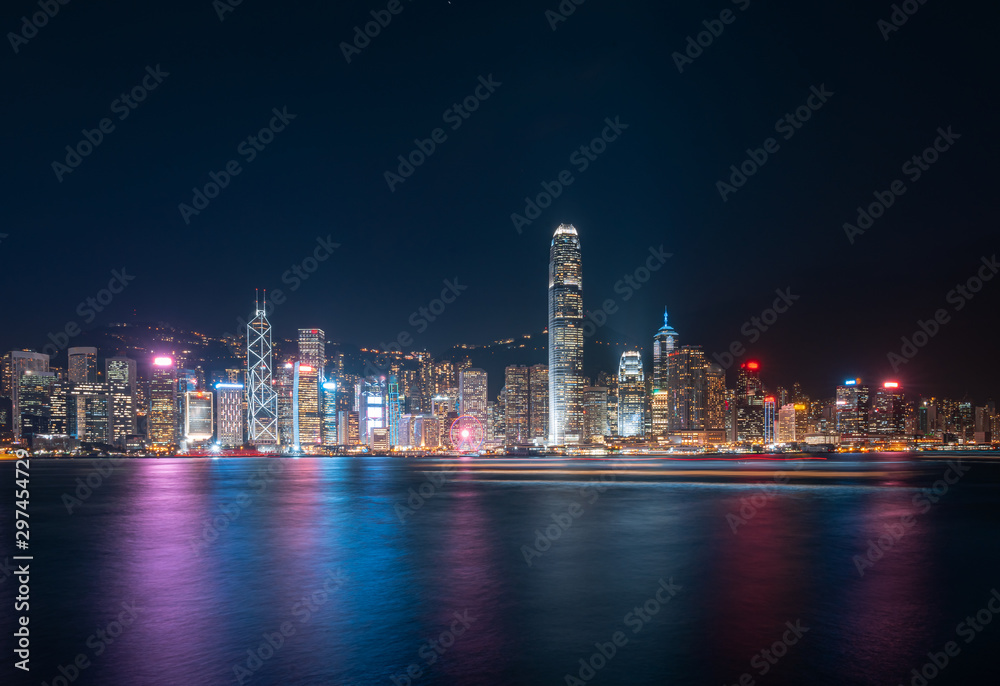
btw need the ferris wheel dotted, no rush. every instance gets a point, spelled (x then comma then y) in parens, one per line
(467, 434)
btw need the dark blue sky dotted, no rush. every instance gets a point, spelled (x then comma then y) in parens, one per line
(323, 174)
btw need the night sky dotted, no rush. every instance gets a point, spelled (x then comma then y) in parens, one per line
(323, 174)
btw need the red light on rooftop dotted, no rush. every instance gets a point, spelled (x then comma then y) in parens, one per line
(769, 399)
(753, 365)
(891, 384)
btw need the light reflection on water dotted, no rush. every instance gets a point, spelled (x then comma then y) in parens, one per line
(221, 554)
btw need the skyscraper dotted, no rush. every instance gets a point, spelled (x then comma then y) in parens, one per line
(162, 419)
(262, 405)
(749, 403)
(305, 402)
(35, 391)
(20, 362)
(229, 418)
(852, 407)
(687, 374)
(473, 395)
(82, 365)
(119, 374)
(328, 410)
(664, 343)
(538, 403)
(769, 420)
(631, 394)
(566, 380)
(595, 412)
(888, 410)
(198, 417)
(517, 399)
(88, 409)
(312, 348)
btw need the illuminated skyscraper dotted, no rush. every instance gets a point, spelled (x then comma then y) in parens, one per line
(328, 411)
(566, 380)
(305, 401)
(229, 417)
(82, 365)
(119, 373)
(749, 403)
(312, 348)
(538, 403)
(595, 412)
(664, 343)
(631, 394)
(687, 389)
(162, 418)
(35, 391)
(473, 394)
(262, 405)
(88, 409)
(19, 363)
(852, 407)
(198, 417)
(888, 411)
(518, 401)
(769, 420)
(715, 402)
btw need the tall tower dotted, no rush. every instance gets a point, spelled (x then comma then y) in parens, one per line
(82, 365)
(518, 403)
(472, 393)
(664, 343)
(566, 380)
(119, 374)
(262, 402)
(162, 418)
(631, 394)
(312, 348)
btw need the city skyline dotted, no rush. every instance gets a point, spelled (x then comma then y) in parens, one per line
(656, 184)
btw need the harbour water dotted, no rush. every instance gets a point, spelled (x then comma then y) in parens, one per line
(856, 569)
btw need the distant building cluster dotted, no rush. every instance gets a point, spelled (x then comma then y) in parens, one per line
(259, 396)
